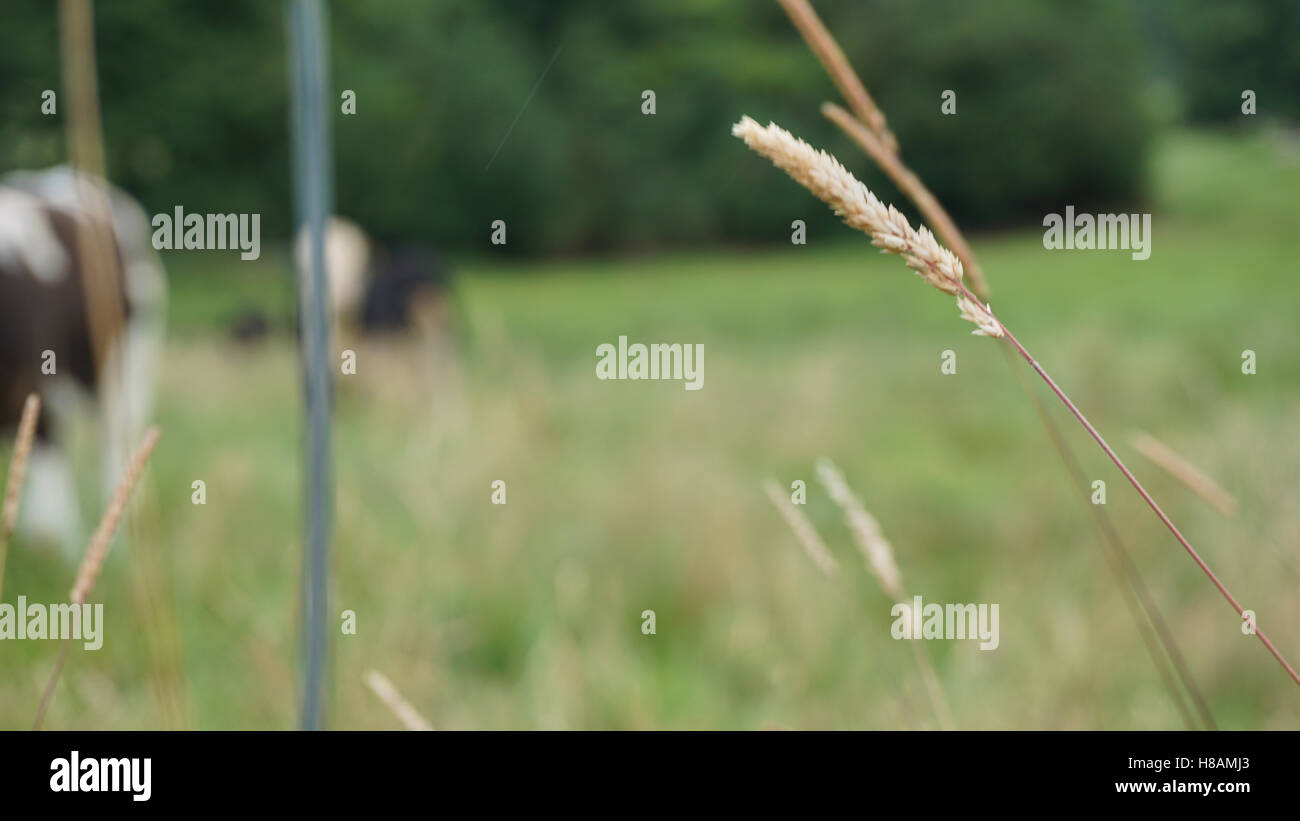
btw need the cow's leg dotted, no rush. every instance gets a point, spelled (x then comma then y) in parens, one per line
(50, 512)
(128, 386)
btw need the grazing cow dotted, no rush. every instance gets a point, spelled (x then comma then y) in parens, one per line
(406, 288)
(372, 290)
(347, 258)
(46, 345)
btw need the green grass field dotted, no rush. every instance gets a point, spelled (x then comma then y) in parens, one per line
(628, 496)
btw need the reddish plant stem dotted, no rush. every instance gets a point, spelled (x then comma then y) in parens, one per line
(1128, 474)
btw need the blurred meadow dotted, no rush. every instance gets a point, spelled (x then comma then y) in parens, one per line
(627, 496)
(631, 496)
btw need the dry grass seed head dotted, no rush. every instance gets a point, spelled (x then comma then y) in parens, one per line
(103, 537)
(848, 197)
(877, 552)
(802, 528)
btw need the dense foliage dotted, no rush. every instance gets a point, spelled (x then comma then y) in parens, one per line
(1052, 107)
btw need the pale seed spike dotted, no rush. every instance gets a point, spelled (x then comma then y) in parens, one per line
(829, 181)
(985, 324)
(866, 531)
(803, 529)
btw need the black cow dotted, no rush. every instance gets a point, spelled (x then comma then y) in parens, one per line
(407, 281)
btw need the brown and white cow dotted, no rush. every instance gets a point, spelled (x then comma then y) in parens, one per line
(46, 345)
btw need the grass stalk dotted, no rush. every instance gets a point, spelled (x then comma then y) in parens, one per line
(876, 552)
(829, 181)
(1161, 645)
(17, 476)
(803, 530)
(911, 187)
(97, 551)
(1142, 491)
(879, 557)
(864, 132)
(1195, 479)
(837, 66)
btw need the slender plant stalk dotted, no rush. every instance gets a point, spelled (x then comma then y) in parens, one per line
(890, 231)
(864, 131)
(804, 531)
(841, 73)
(876, 550)
(154, 599)
(911, 187)
(102, 539)
(879, 560)
(1195, 479)
(879, 557)
(1151, 502)
(1146, 613)
(933, 688)
(97, 551)
(868, 128)
(17, 475)
(99, 268)
(97, 258)
(48, 692)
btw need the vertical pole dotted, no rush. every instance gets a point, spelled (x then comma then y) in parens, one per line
(312, 194)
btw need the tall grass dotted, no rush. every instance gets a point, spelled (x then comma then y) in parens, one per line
(1192, 477)
(97, 551)
(16, 477)
(830, 182)
(871, 134)
(877, 554)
